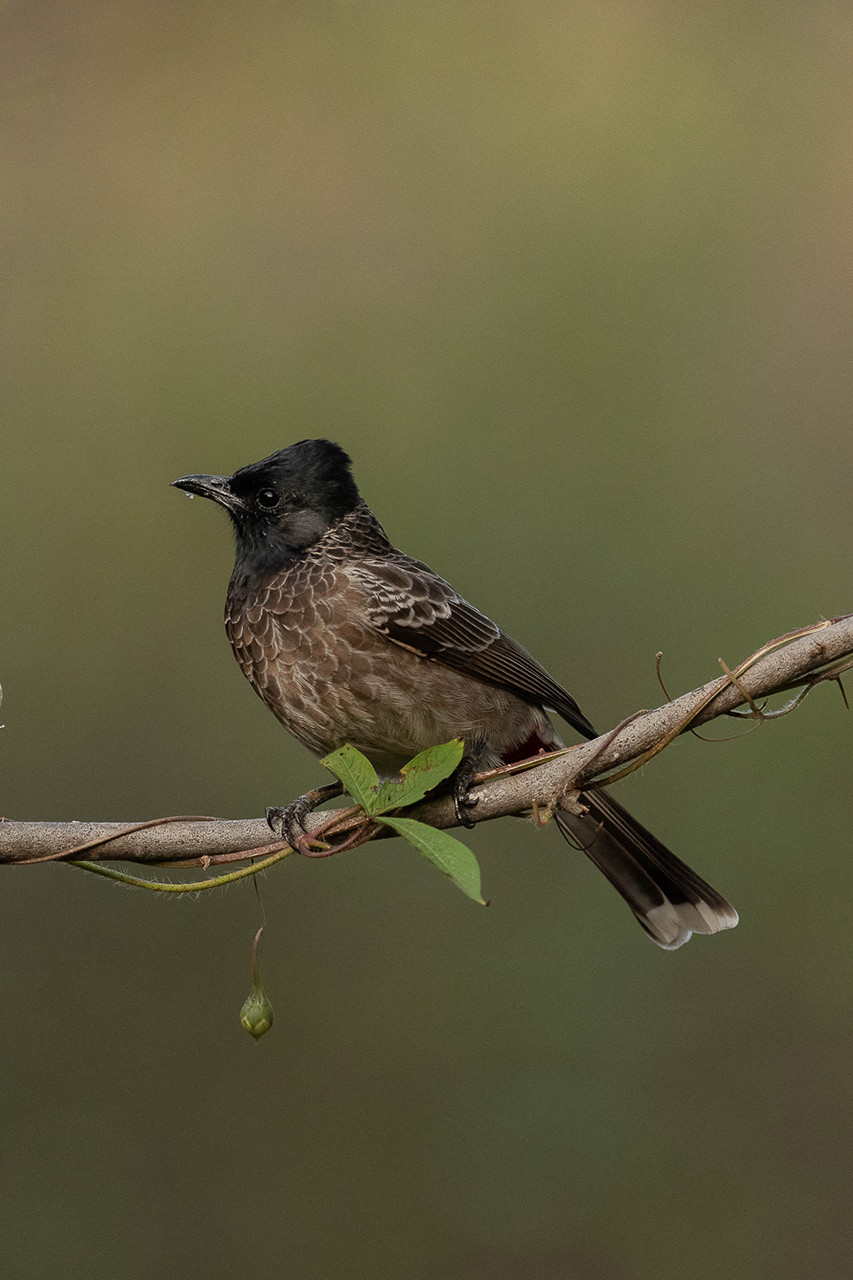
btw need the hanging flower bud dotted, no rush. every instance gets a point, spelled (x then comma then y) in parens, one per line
(256, 1014)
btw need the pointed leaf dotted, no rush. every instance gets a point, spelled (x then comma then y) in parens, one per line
(356, 773)
(420, 775)
(446, 852)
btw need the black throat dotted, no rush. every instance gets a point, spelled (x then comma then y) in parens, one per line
(263, 549)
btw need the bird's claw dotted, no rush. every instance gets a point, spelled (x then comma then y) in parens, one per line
(460, 804)
(462, 798)
(288, 821)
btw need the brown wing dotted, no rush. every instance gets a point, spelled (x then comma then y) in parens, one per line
(415, 608)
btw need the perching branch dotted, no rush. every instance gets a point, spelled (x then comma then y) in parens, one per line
(796, 661)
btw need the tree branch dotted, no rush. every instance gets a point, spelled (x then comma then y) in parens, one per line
(798, 660)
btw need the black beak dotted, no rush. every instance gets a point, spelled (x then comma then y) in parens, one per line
(217, 488)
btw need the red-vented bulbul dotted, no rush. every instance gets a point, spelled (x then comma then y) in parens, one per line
(346, 639)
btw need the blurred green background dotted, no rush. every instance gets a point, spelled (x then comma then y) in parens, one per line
(572, 284)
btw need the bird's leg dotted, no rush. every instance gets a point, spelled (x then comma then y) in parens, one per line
(461, 781)
(289, 822)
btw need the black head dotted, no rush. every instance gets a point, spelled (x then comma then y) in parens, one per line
(283, 504)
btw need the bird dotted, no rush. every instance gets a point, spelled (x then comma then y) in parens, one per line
(348, 640)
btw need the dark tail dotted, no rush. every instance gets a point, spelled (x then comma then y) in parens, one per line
(670, 901)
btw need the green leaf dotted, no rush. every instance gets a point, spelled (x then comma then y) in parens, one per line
(446, 852)
(356, 773)
(420, 775)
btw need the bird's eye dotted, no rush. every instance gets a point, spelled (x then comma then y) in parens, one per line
(268, 498)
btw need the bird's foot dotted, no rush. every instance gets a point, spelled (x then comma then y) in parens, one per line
(463, 801)
(289, 821)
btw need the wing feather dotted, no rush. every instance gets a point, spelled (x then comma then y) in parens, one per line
(415, 608)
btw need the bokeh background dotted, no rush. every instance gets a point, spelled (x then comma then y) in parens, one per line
(572, 284)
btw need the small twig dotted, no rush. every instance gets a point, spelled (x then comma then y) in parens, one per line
(696, 734)
(608, 738)
(745, 694)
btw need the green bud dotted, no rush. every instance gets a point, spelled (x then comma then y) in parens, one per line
(256, 1014)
